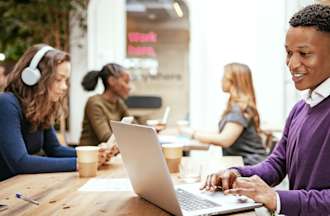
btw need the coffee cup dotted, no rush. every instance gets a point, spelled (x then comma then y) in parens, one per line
(87, 157)
(173, 154)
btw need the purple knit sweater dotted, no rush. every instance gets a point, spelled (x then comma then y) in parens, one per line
(304, 154)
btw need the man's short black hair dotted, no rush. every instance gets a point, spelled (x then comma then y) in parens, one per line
(316, 15)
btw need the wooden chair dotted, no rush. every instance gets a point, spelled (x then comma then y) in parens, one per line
(268, 139)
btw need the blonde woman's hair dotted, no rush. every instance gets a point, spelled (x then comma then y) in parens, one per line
(242, 92)
(325, 2)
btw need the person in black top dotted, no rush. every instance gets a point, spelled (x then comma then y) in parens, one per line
(239, 126)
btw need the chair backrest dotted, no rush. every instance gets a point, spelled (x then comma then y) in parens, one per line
(268, 139)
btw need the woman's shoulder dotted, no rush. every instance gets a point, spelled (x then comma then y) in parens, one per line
(94, 104)
(8, 98)
(95, 99)
(10, 105)
(235, 108)
(236, 114)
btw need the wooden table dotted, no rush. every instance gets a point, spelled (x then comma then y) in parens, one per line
(58, 195)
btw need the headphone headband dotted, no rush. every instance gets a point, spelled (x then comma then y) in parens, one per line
(38, 56)
(31, 75)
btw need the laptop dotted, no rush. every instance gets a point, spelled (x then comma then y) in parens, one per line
(147, 170)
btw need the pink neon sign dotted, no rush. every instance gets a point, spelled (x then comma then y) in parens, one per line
(150, 37)
(141, 51)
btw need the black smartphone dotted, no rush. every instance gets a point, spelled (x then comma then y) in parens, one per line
(3, 207)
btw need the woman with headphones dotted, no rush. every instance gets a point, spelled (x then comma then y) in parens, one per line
(34, 98)
(100, 109)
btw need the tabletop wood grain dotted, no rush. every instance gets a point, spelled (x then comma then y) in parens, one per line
(58, 195)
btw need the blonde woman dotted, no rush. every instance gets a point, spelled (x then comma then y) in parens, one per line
(239, 125)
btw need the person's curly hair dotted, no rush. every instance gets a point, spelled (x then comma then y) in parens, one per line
(37, 107)
(316, 15)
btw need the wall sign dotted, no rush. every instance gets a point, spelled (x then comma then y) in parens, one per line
(140, 44)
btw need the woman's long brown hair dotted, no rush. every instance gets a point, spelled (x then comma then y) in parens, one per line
(242, 92)
(37, 107)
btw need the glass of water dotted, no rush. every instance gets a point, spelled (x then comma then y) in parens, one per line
(190, 170)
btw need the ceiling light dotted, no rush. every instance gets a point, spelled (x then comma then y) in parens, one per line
(178, 9)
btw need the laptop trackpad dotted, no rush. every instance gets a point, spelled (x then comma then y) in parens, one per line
(217, 197)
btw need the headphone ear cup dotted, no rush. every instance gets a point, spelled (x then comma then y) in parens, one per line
(30, 76)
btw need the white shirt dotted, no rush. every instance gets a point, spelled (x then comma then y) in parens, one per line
(318, 94)
(312, 98)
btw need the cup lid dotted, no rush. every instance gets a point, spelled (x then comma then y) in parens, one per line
(172, 145)
(87, 148)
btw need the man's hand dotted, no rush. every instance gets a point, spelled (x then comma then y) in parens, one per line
(255, 188)
(223, 180)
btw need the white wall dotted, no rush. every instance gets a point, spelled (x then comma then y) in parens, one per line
(270, 68)
(251, 32)
(78, 40)
(104, 42)
(106, 32)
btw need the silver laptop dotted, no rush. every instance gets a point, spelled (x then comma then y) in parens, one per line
(150, 178)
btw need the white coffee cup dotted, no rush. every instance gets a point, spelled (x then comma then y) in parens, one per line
(87, 157)
(173, 154)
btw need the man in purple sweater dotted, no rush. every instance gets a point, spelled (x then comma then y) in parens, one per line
(303, 153)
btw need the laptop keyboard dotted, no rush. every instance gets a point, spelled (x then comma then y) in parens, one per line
(191, 202)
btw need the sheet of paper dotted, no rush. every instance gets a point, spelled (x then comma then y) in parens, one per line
(106, 184)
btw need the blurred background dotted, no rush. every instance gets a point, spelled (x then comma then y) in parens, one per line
(175, 51)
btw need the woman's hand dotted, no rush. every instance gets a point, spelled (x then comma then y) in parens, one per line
(255, 188)
(222, 180)
(112, 152)
(186, 131)
(102, 156)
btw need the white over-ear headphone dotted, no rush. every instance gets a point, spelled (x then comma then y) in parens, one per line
(31, 75)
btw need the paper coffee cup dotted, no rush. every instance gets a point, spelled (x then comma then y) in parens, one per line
(173, 154)
(87, 157)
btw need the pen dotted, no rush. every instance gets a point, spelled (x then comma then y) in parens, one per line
(21, 196)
